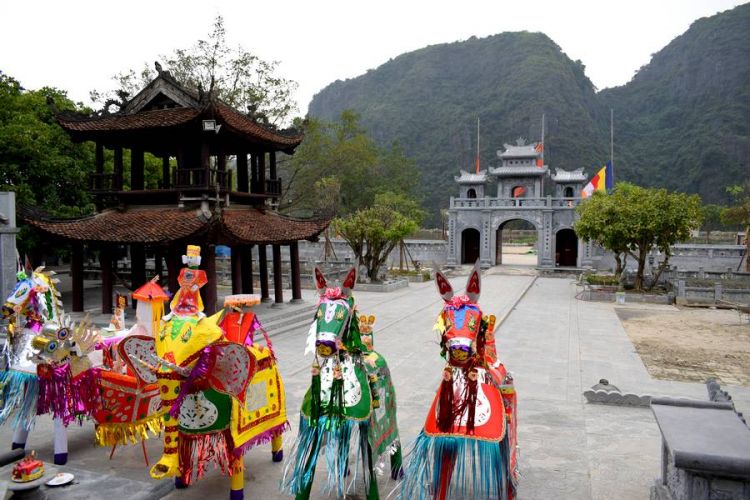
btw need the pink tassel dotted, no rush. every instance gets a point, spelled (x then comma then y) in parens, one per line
(197, 451)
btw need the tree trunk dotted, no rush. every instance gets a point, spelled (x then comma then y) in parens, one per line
(641, 268)
(662, 267)
(747, 249)
(618, 265)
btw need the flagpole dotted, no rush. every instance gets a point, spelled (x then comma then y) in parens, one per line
(612, 143)
(543, 138)
(477, 162)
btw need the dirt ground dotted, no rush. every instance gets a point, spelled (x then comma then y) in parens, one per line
(690, 344)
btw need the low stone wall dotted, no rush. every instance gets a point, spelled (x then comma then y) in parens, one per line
(717, 292)
(424, 251)
(599, 295)
(389, 286)
(686, 257)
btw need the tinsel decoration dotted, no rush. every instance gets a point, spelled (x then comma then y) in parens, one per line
(445, 415)
(462, 467)
(20, 391)
(196, 451)
(65, 397)
(128, 433)
(335, 442)
(335, 410)
(471, 400)
(315, 410)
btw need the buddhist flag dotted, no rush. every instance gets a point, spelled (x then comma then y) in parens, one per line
(539, 148)
(602, 181)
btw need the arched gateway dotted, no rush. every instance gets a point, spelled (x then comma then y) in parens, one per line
(515, 190)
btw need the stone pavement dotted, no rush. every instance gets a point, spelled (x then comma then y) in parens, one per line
(555, 345)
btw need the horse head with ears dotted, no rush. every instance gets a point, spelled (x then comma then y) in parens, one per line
(334, 315)
(35, 297)
(460, 323)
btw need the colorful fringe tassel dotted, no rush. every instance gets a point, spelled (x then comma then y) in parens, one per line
(335, 440)
(196, 451)
(262, 438)
(20, 391)
(129, 433)
(69, 398)
(457, 467)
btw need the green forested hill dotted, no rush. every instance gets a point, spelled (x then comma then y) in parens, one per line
(682, 122)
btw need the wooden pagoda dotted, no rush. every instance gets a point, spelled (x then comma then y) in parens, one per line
(198, 200)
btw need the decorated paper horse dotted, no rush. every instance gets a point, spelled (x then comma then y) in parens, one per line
(350, 409)
(130, 409)
(32, 306)
(223, 397)
(467, 448)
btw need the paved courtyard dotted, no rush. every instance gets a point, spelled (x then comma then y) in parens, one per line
(555, 345)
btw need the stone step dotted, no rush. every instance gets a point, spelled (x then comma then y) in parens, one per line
(300, 326)
(286, 316)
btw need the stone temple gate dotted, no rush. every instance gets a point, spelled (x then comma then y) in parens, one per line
(515, 190)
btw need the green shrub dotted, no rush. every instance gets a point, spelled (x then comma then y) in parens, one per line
(601, 279)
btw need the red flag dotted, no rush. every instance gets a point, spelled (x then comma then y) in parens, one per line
(539, 148)
(477, 163)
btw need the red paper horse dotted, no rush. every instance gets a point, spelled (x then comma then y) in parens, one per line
(467, 448)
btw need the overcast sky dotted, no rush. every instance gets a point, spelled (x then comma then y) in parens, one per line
(78, 45)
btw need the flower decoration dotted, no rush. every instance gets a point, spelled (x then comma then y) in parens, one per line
(333, 293)
(458, 301)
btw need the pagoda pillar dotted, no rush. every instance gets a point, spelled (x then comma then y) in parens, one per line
(262, 173)
(208, 292)
(236, 265)
(205, 163)
(272, 174)
(242, 185)
(105, 263)
(254, 173)
(99, 165)
(165, 177)
(246, 264)
(263, 268)
(137, 267)
(158, 265)
(294, 259)
(117, 169)
(76, 274)
(173, 266)
(278, 275)
(272, 165)
(136, 169)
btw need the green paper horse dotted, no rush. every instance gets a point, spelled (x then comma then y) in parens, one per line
(350, 409)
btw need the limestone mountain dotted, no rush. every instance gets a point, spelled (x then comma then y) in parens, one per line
(429, 101)
(682, 122)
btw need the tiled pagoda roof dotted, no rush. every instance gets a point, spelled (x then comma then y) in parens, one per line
(146, 113)
(471, 178)
(160, 225)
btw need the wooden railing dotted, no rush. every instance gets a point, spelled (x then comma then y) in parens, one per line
(103, 183)
(198, 178)
(273, 187)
